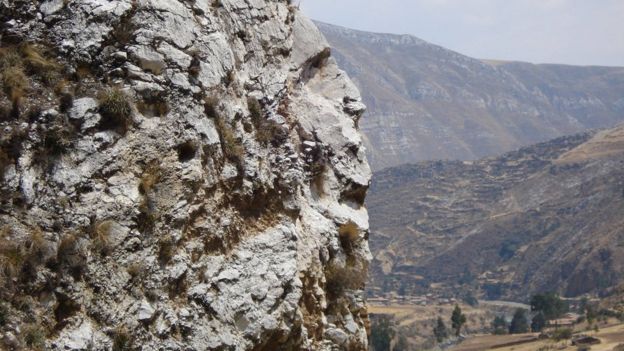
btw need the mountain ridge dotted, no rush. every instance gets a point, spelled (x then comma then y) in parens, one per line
(426, 102)
(532, 220)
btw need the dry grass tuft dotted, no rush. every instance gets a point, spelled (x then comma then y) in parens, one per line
(266, 130)
(166, 249)
(148, 212)
(340, 278)
(136, 269)
(12, 258)
(15, 83)
(116, 110)
(36, 59)
(231, 146)
(100, 237)
(5, 162)
(38, 63)
(122, 341)
(34, 337)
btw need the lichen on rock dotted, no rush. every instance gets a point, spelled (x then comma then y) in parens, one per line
(183, 181)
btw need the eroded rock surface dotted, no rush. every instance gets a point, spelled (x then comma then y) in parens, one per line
(226, 214)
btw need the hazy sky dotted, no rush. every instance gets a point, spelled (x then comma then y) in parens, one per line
(584, 32)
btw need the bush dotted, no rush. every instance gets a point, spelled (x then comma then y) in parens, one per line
(101, 237)
(116, 110)
(340, 278)
(166, 249)
(56, 139)
(15, 83)
(519, 323)
(136, 269)
(562, 334)
(266, 130)
(232, 148)
(12, 258)
(34, 337)
(5, 162)
(148, 213)
(122, 340)
(499, 326)
(4, 314)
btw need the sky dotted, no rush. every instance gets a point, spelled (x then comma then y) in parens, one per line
(578, 32)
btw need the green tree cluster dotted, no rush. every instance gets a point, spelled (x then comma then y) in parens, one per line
(382, 333)
(550, 304)
(520, 322)
(499, 326)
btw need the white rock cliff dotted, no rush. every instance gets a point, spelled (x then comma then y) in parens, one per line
(227, 215)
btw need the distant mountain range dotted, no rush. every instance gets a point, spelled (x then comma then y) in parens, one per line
(545, 217)
(426, 102)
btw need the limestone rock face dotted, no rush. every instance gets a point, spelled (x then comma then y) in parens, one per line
(225, 212)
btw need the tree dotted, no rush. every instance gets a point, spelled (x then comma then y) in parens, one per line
(499, 326)
(440, 330)
(590, 313)
(458, 319)
(550, 304)
(519, 323)
(381, 333)
(538, 322)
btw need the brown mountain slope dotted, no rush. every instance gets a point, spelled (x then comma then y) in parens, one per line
(426, 102)
(545, 217)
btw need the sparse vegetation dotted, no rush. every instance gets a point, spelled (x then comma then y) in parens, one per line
(17, 65)
(56, 139)
(230, 145)
(38, 63)
(34, 337)
(155, 106)
(116, 110)
(12, 258)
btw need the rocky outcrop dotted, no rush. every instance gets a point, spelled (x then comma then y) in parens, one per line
(183, 175)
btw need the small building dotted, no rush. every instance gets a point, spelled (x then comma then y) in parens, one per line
(568, 320)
